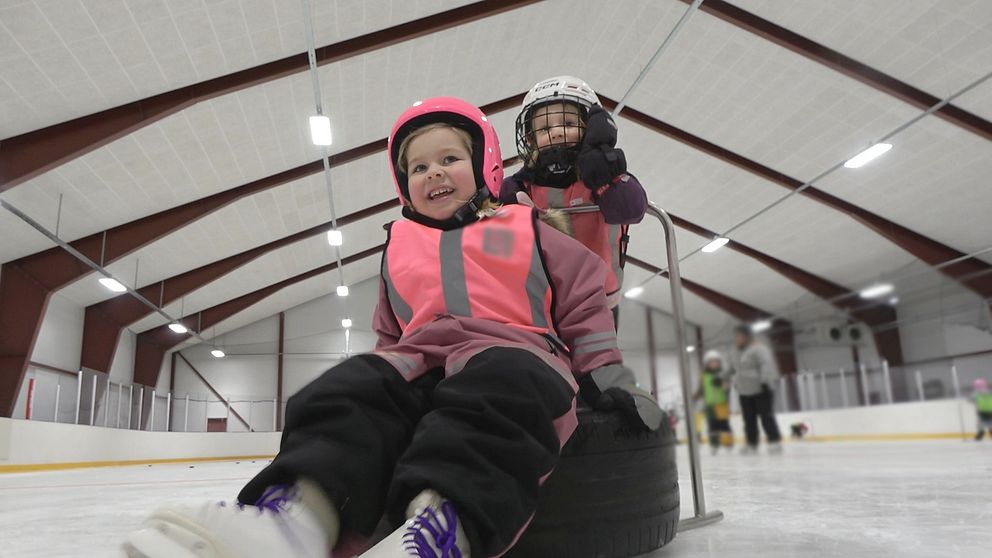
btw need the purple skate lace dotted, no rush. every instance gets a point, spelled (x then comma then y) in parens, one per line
(417, 544)
(274, 499)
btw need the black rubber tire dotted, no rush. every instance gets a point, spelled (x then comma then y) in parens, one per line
(614, 494)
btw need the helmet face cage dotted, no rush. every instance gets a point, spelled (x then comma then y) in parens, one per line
(559, 109)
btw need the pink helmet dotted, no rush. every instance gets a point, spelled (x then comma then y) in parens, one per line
(980, 385)
(487, 162)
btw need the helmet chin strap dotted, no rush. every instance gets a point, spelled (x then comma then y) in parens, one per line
(467, 213)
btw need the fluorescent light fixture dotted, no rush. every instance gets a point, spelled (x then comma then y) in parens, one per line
(715, 244)
(334, 237)
(866, 156)
(761, 325)
(346, 323)
(876, 291)
(634, 292)
(112, 284)
(893, 301)
(217, 353)
(178, 327)
(690, 349)
(320, 130)
(342, 290)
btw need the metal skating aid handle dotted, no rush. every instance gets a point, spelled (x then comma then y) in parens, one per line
(701, 517)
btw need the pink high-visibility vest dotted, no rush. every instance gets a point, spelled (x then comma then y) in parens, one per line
(491, 270)
(588, 228)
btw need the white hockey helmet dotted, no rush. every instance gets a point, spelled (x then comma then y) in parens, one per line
(557, 89)
(713, 355)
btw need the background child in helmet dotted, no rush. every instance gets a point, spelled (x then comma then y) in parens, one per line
(715, 395)
(567, 144)
(982, 398)
(453, 421)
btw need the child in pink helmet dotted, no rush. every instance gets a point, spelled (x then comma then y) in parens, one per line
(488, 321)
(567, 144)
(982, 398)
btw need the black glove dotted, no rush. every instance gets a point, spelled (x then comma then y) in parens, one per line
(599, 160)
(612, 388)
(717, 382)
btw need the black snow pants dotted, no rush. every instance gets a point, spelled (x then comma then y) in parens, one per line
(483, 438)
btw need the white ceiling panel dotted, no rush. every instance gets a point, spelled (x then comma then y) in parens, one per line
(65, 58)
(692, 184)
(763, 102)
(253, 221)
(822, 241)
(290, 297)
(978, 101)
(934, 181)
(657, 293)
(268, 270)
(933, 45)
(743, 278)
(18, 239)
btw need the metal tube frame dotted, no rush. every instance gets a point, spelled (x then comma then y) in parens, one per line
(843, 389)
(79, 394)
(864, 385)
(58, 394)
(106, 403)
(825, 391)
(93, 401)
(700, 517)
(887, 378)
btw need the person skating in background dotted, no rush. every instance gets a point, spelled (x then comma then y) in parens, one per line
(754, 372)
(982, 398)
(714, 392)
(567, 143)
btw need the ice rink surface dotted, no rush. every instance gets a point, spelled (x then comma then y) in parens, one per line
(844, 500)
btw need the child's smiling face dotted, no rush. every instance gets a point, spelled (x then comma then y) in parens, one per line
(439, 171)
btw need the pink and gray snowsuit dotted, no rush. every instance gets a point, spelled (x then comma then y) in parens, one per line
(483, 331)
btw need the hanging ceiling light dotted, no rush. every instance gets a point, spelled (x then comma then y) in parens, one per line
(217, 353)
(112, 284)
(334, 237)
(761, 325)
(342, 290)
(868, 155)
(715, 244)
(178, 327)
(346, 323)
(320, 130)
(876, 291)
(690, 349)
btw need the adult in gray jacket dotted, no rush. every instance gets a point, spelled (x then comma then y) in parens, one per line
(754, 374)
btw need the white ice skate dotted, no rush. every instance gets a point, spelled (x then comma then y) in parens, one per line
(749, 450)
(280, 525)
(432, 531)
(775, 448)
